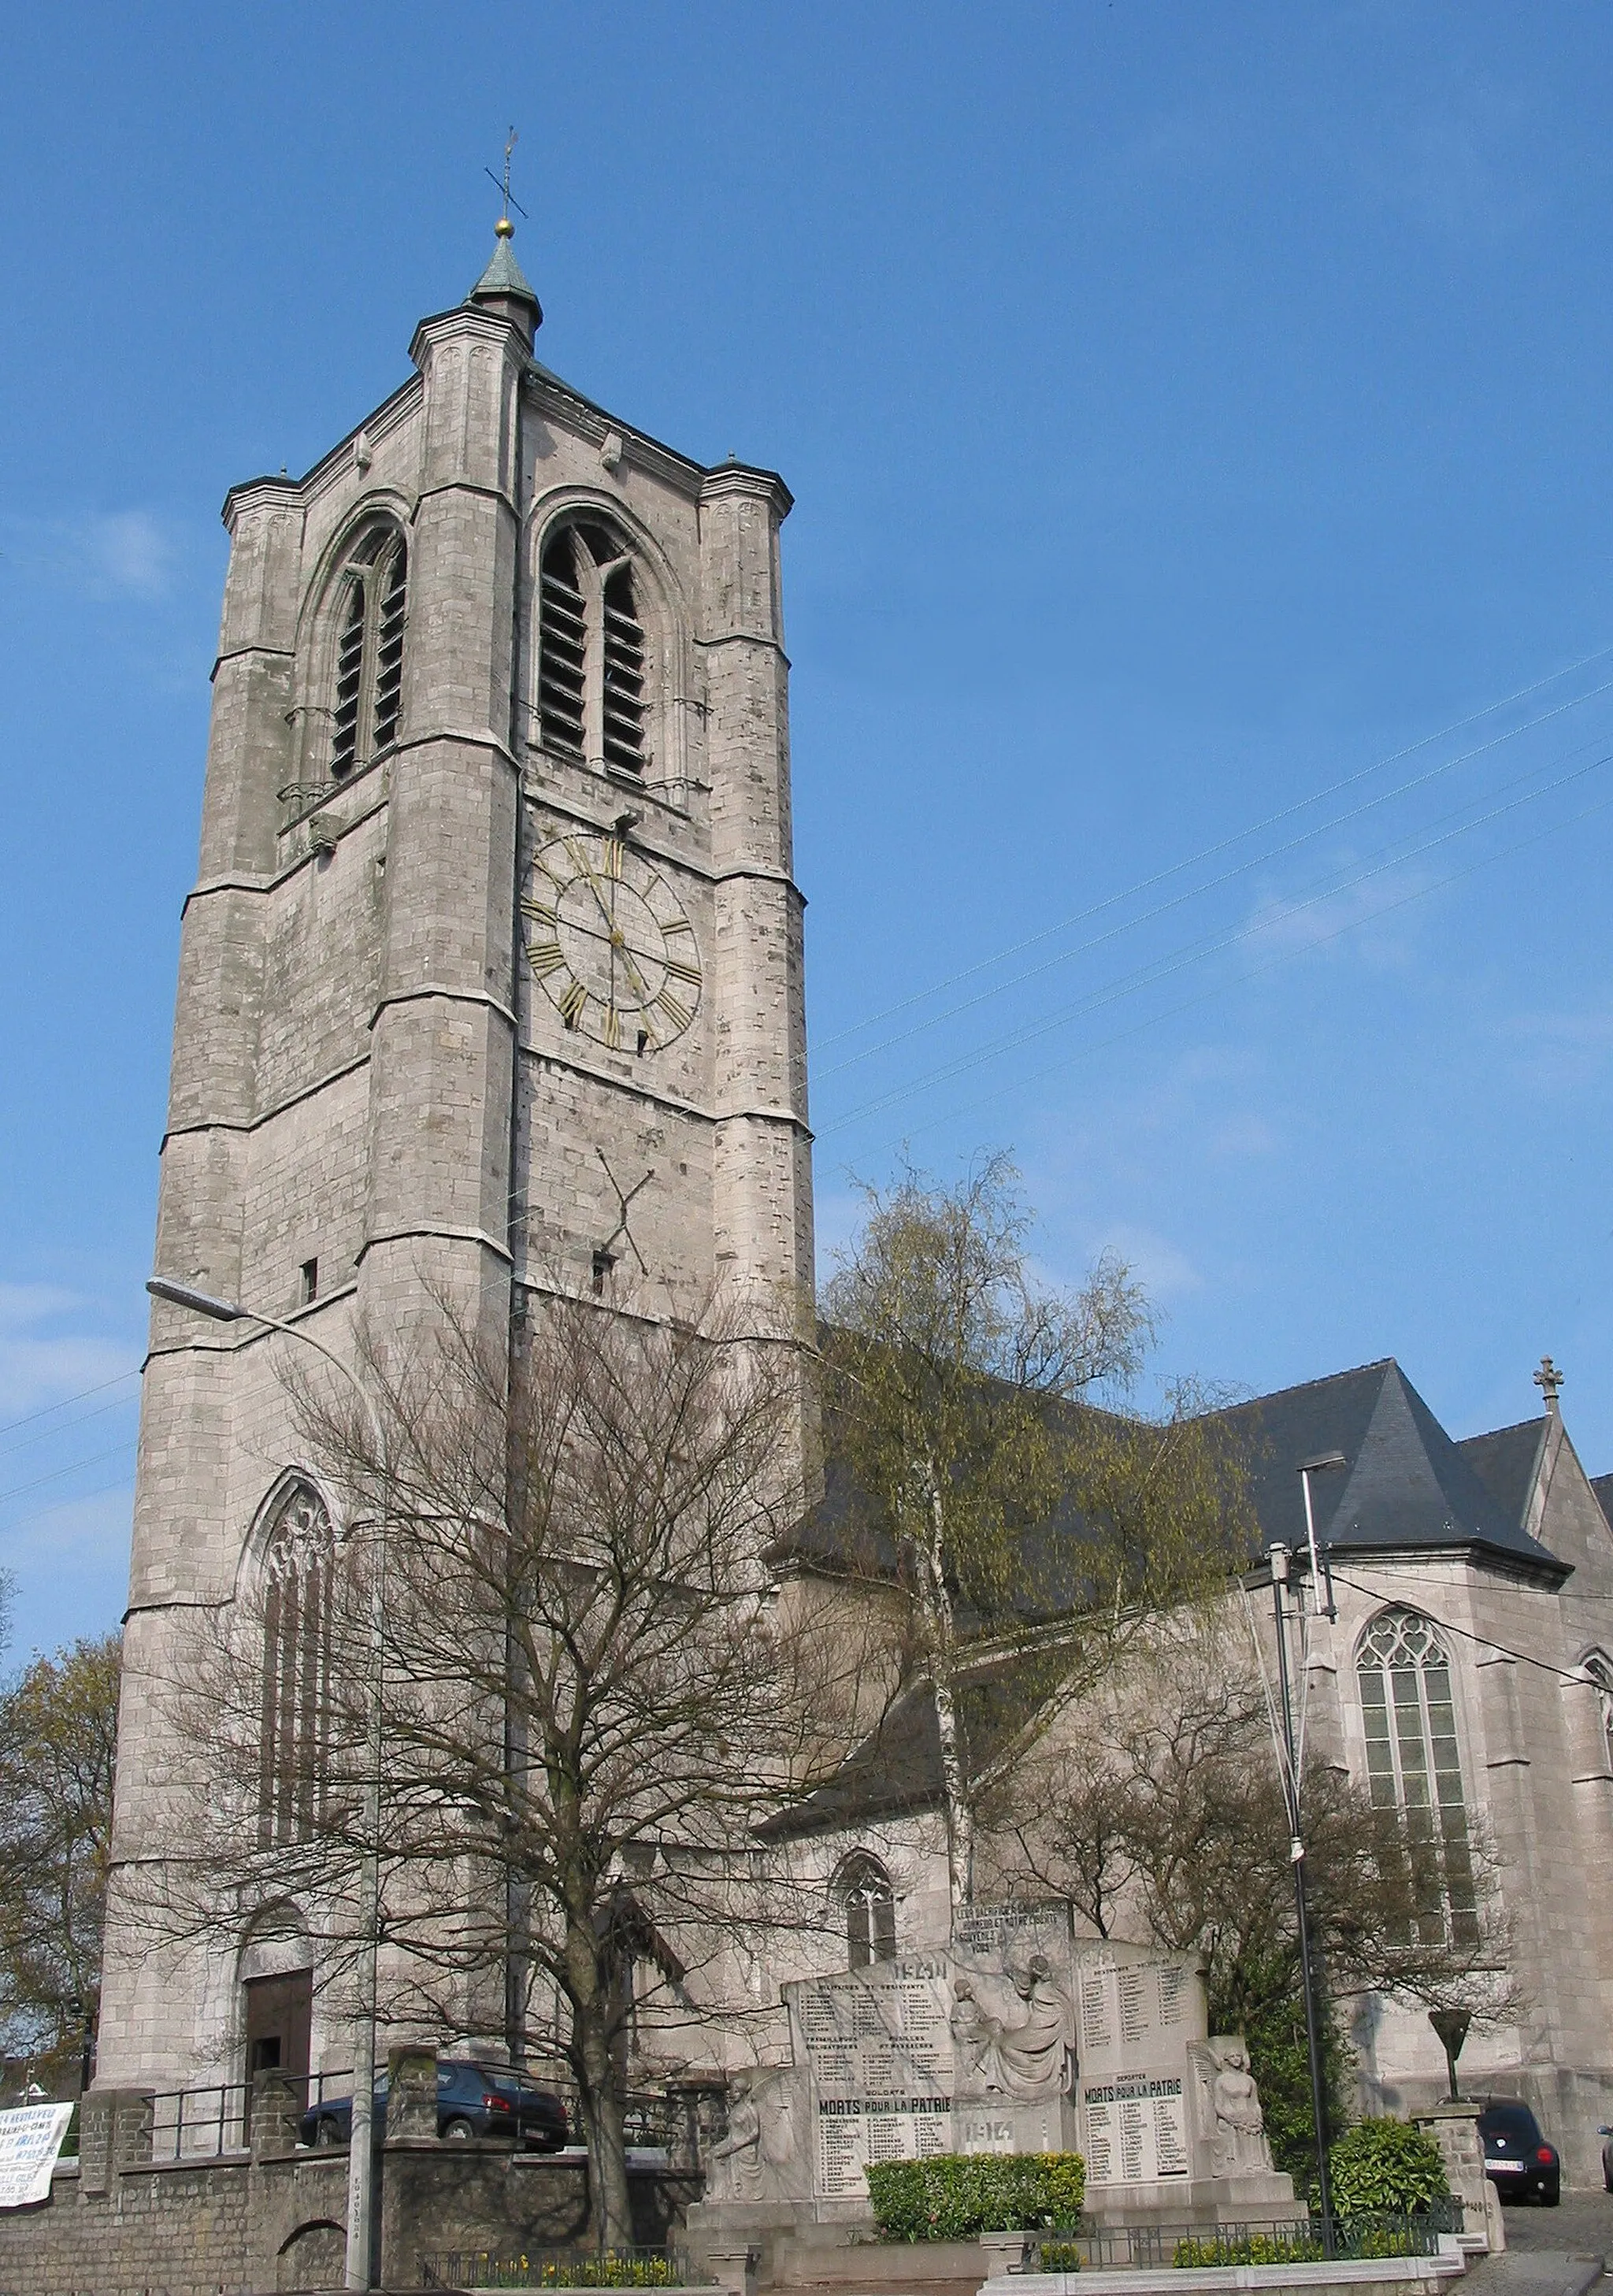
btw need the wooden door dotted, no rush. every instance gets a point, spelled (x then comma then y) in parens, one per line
(279, 2026)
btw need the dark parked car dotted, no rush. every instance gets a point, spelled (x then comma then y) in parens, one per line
(1517, 2159)
(1606, 2158)
(472, 2099)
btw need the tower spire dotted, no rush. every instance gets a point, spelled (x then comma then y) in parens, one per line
(503, 286)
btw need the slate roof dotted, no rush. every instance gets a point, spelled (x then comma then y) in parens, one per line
(1407, 1485)
(504, 275)
(1505, 1462)
(1602, 1484)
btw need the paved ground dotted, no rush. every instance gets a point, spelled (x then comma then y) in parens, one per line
(1551, 2251)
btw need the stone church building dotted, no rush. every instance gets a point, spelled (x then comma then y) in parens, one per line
(492, 982)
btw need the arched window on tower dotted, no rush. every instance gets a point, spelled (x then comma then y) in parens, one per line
(863, 1889)
(366, 703)
(1414, 1767)
(298, 1560)
(1599, 1671)
(592, 672)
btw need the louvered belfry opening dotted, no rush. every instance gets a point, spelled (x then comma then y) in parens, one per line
(563, 646)
(367, 704)
(591, 651)
(624, 694)
(350, 681)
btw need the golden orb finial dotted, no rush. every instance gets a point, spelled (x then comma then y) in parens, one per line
(504, 227)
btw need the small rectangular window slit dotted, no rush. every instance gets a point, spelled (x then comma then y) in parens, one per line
(310, 1275)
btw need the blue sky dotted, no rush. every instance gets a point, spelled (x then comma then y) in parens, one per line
(1191, 411)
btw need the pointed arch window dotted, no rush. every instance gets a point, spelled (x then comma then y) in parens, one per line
(298, 1563)
(1599, 1671)
(870, 1904)
(592, 654)
(1415, 1767)
(366, 707)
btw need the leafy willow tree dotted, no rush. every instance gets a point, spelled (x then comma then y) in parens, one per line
(590, 1690)
(960, 1398)
(58, 1737)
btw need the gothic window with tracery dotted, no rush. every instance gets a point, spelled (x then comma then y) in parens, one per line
(1414, 1765)
(298, 1563)
(865, 1891)
(367, 700)
(592, 672)
(1598, 1668)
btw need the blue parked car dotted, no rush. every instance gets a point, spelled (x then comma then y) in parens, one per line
(472, 2099)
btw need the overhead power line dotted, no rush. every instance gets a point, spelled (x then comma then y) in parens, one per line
(1253, 972)
(1180, 900)
(1162, 968)
(46, 1410)
(1255, 828)
(47, 1434)
(56, 1473)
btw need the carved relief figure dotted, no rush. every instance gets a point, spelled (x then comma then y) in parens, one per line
(1029, 2050)
(1238, 2141)
(759, 2157)
(735, 2171)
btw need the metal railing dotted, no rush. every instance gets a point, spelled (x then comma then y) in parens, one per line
(209, 2122)
(468, 2269)
(1294, 2239)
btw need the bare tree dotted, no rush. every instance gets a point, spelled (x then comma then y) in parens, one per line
(958, 1397)
(591, 1690)
(1158, 1811)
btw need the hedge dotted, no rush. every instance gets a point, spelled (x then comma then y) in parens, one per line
(1385, 2167)
(955, 2196)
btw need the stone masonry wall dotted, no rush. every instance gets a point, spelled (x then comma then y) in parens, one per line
(240, 2227)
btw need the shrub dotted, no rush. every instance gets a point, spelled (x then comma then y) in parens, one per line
(1061, 2256)
(956, 2195)
(1385, 2168)
(1248, 2248)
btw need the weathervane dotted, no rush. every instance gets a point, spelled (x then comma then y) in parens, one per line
(504, 227)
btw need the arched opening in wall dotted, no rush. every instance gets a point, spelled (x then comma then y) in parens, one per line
(1599, 1673)
(298, 1571)
(1414, 1772)
(366, 700)
(869, 1904)
(276, 1980)
(591, 655)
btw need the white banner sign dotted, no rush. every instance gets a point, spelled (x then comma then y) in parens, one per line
(30, 2141)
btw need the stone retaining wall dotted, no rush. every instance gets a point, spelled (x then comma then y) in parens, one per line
(247, 2227)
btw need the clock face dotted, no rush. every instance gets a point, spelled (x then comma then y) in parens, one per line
(611, 942)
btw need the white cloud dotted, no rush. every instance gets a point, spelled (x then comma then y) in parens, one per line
(39, 1366)
(71, 1564)
(1163, 1268)
(1377, 922)
(128, 554)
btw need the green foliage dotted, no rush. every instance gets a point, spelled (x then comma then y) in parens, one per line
(1385, 2165)
(1269, 2010)
(1061, 2256)
(58, 1733)
(956, 2195)
(609, 2269)
(1248, 2248)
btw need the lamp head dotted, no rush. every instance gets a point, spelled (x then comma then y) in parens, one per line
(198, 1303)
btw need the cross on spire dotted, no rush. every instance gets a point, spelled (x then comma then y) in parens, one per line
(1548, 1379)
(503, 226)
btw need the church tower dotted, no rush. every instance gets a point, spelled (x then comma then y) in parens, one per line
(494, 929)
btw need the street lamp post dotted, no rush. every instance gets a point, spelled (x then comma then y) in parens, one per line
(1279, 1560)
(360, 2242)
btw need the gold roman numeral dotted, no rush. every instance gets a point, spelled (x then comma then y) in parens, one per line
(540, 913)
(613, 857)
(613, 1027)
(545, 958)
(573, 1005)
(679, 970)
(678, 1014)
